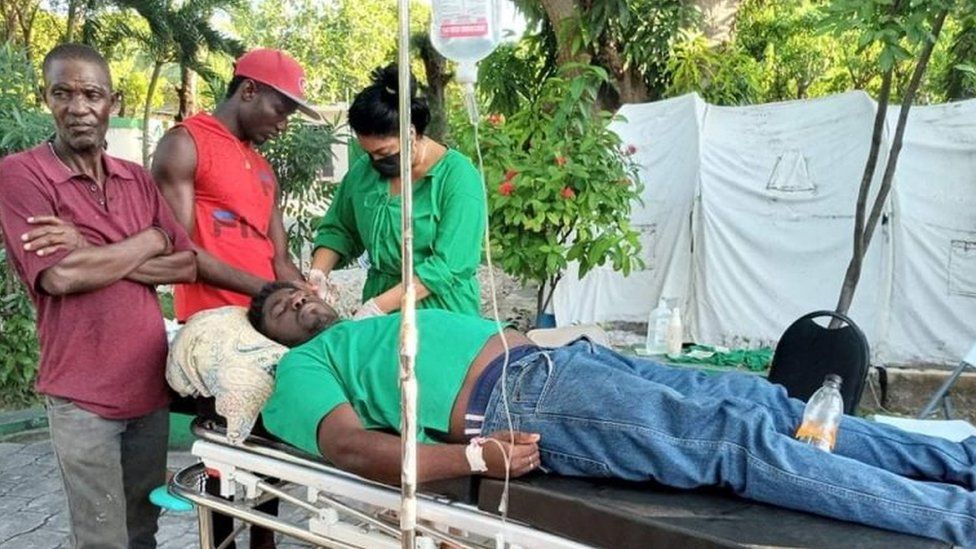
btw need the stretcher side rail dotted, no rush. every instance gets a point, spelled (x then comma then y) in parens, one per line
(244, 467)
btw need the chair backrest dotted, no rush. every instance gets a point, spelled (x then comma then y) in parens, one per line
(807, 352)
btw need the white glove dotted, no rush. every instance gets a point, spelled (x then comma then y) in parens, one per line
(369, 309)
(323, 286)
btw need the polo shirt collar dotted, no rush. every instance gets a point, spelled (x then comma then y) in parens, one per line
(57, 172)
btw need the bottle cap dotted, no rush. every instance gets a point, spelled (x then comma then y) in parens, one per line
(834, 378)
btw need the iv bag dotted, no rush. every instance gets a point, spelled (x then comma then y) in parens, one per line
(465, 31)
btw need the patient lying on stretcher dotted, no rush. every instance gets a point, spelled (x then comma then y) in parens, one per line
(584, 410)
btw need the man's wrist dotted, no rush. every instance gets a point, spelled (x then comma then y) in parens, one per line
(167, 241)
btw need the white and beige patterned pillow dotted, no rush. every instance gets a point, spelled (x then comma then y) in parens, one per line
(218, 353)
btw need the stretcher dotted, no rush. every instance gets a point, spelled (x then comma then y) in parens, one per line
(347, 511)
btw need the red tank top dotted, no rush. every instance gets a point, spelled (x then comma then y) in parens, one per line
(234, 193)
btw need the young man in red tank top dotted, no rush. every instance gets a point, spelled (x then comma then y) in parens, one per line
(224, 193)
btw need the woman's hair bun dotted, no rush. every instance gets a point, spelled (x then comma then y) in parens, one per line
(387, 80)
(374, 110)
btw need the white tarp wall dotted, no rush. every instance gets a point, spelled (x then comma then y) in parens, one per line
(933, 300)
(771, 190)
(778, 188)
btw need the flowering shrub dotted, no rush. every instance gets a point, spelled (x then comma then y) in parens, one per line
(560, 184)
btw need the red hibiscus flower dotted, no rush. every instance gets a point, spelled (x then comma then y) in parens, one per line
(568, 193)
(506, 188)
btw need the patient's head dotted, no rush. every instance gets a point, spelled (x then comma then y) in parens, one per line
(289, 314)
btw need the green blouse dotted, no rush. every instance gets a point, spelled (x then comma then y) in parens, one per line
(448, 231)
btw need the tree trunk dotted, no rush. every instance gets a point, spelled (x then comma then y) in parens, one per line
(122, 105)
(629, 85)
(186, 94)
(435, 67)
(864, 231)
(565, 22)
(153, 82)
(88, 28)
(69, 33)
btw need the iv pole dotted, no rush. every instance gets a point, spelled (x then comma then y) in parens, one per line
(408, 326)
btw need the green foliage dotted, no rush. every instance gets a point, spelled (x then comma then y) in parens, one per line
(180, 34)
(301, 159)
(959, 77)
(21, 127)
(895, 26)
(18, 346)
(618, 35)
(642, 31)
(339, 43)
(119, 36)
(722, 75)
(798, 58)
(560, 184)
(511, 76)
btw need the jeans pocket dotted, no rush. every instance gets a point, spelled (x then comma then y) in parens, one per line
(573, 465)
(531, 378)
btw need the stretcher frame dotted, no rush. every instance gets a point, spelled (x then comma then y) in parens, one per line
(346, 511)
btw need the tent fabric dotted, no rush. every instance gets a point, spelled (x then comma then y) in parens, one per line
(778, 187)
(933, 298)
(748, 223)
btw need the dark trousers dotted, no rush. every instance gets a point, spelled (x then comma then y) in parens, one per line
(223, 525)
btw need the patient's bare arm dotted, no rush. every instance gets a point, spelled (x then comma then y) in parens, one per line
(374, 455)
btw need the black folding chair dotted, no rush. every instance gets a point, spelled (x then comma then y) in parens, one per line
(808, 351)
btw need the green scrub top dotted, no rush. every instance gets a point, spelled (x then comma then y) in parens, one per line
(448, 231)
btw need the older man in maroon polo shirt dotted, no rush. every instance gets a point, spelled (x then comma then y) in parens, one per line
(90, 236)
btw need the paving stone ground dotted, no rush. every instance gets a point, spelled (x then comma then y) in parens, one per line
(33, 514)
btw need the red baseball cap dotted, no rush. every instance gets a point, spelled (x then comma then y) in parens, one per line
(280, 71)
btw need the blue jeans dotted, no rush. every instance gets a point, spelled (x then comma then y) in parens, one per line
(601, 414)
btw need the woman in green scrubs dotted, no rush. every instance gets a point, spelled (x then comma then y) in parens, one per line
(448, 210)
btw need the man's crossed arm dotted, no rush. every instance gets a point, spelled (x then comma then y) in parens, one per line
(144, 257)
(376, 455)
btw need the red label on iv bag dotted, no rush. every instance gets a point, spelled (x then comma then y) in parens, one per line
(465, 28)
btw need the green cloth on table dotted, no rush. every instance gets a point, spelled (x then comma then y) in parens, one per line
(756, 360)
(448, 230)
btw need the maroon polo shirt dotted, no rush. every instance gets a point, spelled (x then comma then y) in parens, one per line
(105, 350)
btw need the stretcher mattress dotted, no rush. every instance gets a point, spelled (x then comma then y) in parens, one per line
(610, 513)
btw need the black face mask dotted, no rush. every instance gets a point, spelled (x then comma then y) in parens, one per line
(388, 166)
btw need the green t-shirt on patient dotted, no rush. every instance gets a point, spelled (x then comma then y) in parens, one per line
(357, 362)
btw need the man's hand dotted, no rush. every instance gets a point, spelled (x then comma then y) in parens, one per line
(323, 286)
(51, 235)
(523, 455)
